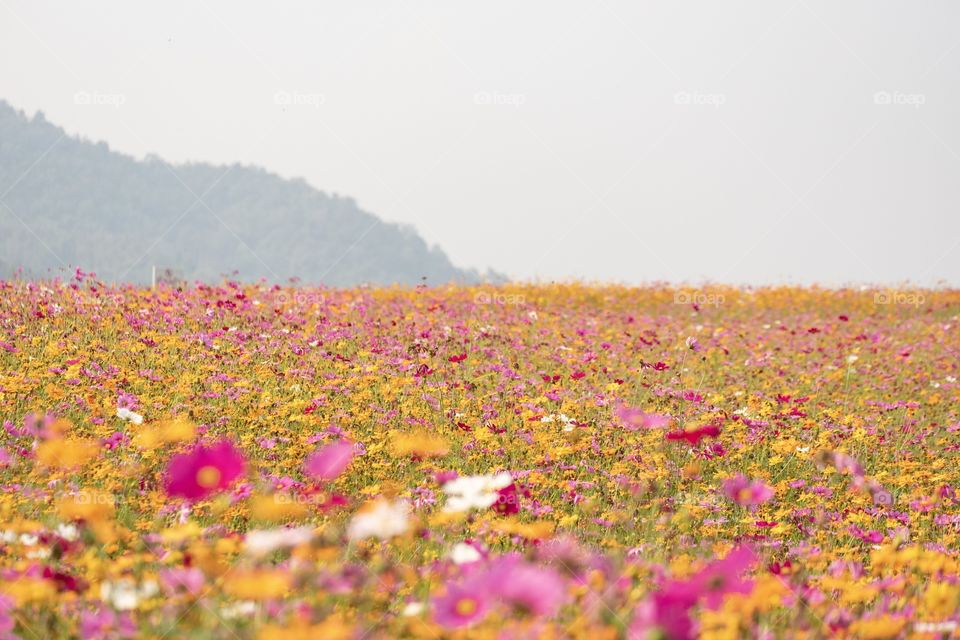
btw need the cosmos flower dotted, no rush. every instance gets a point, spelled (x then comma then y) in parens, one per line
(633, 419)
(104, 624)
(204, 471)
(746, 492)
(464, 553)
(124, 594)
(474, 492)
(261, 542)
(694, 436)
(329, 461)
(127, 415)
(381, 519)
(181, 580)
(725, 576)
(528, 589)
(461, 606)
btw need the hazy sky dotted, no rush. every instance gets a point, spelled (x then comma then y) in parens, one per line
(731, 141)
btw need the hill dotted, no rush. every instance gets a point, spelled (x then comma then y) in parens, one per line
(70, 202)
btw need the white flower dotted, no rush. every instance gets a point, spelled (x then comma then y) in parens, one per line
(851, 359)
(263, 541)
(463, 553)
(383, 519)
(562, 418)
(125, 414)
(474, 492)
(124, 595)
(241, 609)
(413, 609)
(28, 539)
(68, 532)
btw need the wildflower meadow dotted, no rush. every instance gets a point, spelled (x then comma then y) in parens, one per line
(517, 461)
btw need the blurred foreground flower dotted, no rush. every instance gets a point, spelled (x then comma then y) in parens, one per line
(380, 519)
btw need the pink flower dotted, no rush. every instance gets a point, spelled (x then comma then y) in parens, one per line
(7, 623)
(724, 576)
(461, 606)
(330, 461)
(666, 613)
(508, 501)
(177, 580)
(528, 588)
(204, 471)
(634, 419)
(106, 624)
(746, 492)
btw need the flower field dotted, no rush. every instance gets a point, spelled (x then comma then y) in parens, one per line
(551, 461)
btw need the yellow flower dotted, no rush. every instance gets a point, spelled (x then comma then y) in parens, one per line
(161, 433)
(941, 599)
(878, 628)
(538, 530)
(419, 443)
(27, 590)
(330, 629)
(260, 584)
(66, 454)
(277, 508)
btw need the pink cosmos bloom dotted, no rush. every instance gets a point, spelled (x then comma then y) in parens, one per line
(179, 580)
(461, 606)
(204, 471)
(7, 623)
(330, 461)
(106, 624)
(666, 613)
(746, 492)
(508, 501)
(634, 419)
(725, 576)
(528, 588)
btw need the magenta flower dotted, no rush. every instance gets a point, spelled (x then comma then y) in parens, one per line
(204, 471)
(508, 501)
(725, 576)
(461, 605)
(666, 613)
(326, 463)
(634, 419)
(746, 492)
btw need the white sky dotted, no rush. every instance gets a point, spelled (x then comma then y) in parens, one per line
(628, 141)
